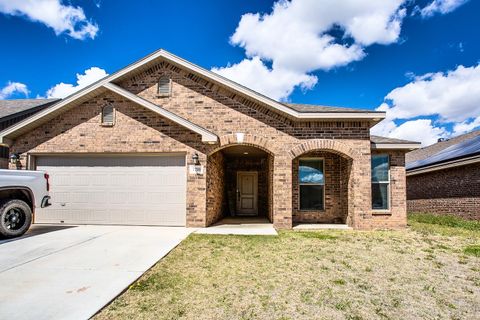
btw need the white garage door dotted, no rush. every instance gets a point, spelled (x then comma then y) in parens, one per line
(132, 190)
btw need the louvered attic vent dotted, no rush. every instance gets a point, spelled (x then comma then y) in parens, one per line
(108, 115)
(164, 87)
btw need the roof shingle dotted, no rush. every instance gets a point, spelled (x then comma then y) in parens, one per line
(11, 107)
(386, 140)
(310, 108)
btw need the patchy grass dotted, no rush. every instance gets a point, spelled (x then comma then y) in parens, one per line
(473, 250)
(446, 225)
(430, 271)
(444, 220)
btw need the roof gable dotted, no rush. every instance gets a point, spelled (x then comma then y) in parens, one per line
(146, 62)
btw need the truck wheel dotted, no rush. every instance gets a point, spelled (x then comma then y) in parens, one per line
(15, 218)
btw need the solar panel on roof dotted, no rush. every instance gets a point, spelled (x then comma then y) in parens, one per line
(462, 149)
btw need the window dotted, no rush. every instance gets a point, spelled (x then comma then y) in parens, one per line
(380, 182)
(4, 152)
(311, 182)
(108, 115)
(164, 87)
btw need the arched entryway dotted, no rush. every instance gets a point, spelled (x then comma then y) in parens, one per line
(321, 187)
(322, 182)
(239, 182)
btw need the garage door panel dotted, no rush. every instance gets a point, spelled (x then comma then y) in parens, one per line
(115, 190)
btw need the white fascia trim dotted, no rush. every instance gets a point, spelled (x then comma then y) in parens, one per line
(207, 136)
(398, 146)
(446, 165)
(208, 74)
(266, 100)
(37, 116)
(78, 94)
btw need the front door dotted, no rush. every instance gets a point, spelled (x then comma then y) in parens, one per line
(247, 192)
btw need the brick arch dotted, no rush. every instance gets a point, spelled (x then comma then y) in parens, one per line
(334, 146)
(248, 140)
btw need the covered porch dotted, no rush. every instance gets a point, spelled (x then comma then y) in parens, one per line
(313, 187)
(239, 184)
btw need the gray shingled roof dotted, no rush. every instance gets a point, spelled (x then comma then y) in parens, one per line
(10, 107)
(386, 140)
(307, 108)
(423, 153)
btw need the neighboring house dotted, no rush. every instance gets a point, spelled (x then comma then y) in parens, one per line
(13, 111)
(165, 142)
(445, 177)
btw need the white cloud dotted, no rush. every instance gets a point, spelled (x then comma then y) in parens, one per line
(466, 126)
(441, 6)
(275, 82)
(62, 90)
(453, 98)
(13, 87)
(52, 13)
(422, 130)
(296, 38)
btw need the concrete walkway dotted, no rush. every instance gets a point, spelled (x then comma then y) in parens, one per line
(72, 272)
(321, 226)
(241, 226)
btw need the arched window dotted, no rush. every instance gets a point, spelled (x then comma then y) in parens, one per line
(108, 115)
(164, 86)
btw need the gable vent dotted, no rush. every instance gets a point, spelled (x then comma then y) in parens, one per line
(108, 115)
(164, 86)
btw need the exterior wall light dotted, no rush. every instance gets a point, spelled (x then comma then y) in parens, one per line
(195, 159)
(14, 158)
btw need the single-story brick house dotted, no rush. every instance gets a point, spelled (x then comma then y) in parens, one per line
(13, 111)
(166, 142)
(444, 178)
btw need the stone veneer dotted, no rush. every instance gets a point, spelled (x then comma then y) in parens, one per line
(138, 130)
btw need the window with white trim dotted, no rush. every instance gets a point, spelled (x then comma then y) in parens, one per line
(380, 182)
(108, 115)
(164, 86)
(311, 182)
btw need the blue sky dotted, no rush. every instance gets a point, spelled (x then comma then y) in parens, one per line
(413, 60)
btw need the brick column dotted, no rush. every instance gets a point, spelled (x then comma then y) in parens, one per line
(197, 193)
(362, 190)
(282, 192)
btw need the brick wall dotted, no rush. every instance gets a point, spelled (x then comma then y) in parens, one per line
(200, 101)
(138, 130)
(396, 216)
(336, 190)
(450, 191)
(215, 187)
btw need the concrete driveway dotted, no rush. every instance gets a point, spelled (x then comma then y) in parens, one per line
(61, 272)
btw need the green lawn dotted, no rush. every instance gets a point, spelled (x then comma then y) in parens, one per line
(430, 271)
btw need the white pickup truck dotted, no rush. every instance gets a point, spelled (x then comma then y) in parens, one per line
(21, 191)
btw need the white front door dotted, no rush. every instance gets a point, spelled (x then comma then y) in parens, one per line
(247, 192)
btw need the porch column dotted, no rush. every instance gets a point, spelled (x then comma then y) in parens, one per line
(196, 193)
(361, 195)
(282, 192)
